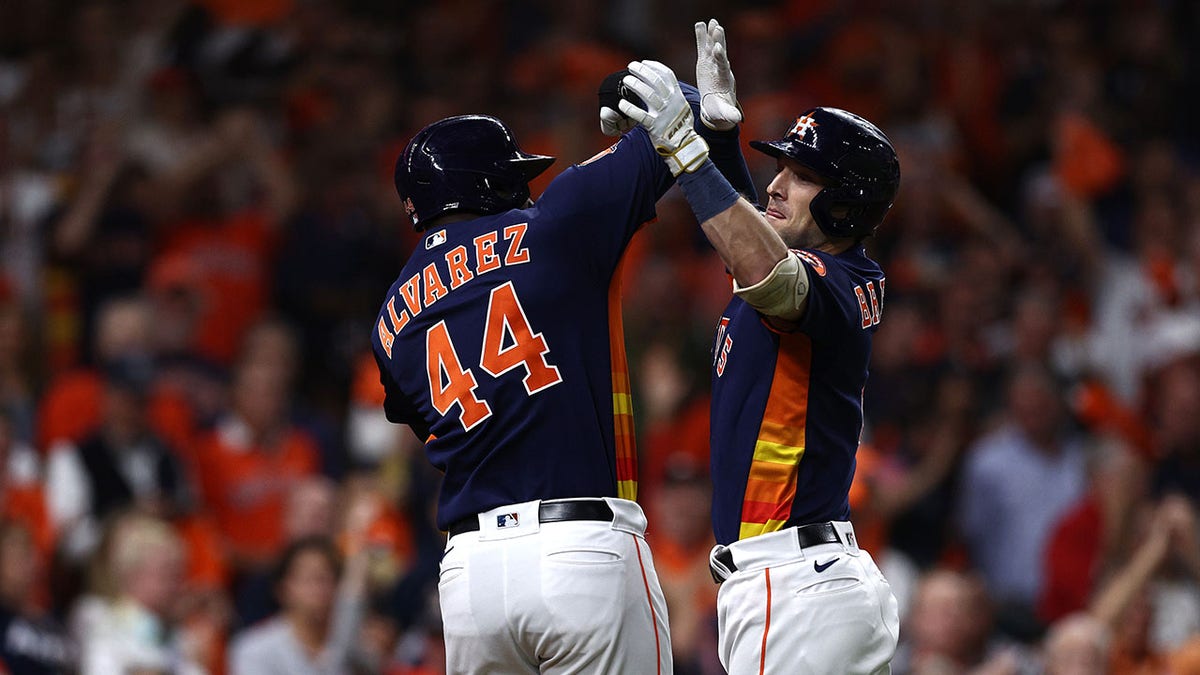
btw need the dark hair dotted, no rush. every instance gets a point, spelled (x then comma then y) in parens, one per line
(315, 544)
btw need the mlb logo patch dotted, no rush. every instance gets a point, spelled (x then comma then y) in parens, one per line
(507, 520)
(436, 239)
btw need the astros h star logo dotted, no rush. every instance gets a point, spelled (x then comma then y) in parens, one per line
(802, 125)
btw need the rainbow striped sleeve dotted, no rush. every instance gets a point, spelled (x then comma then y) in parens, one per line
(623, 432)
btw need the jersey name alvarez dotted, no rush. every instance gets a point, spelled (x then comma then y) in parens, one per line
(487, 252)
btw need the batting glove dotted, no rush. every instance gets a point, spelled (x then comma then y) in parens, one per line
(612, 89)
(719, 109)
(613, 123)
(667, 117)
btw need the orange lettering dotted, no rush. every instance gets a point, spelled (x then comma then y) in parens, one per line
(434, 288)
(506, 318)
(486, 259)
(863, 306)
(409, 292)
(386, 338)
(459, 272)
(400, 321)
(449, 382)
(516, 255)
(874, 302)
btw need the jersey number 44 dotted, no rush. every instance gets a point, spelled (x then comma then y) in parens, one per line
(508, 342)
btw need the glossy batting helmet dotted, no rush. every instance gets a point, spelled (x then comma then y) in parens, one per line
(465, 163)
(855, 158)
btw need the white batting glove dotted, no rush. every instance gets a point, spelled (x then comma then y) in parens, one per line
(719, 108)
(613, 123)
(668, 117)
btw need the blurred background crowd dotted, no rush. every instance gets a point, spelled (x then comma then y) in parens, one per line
(197, 225)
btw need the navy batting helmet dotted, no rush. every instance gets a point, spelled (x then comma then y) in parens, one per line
(464, 163)
(856, 159)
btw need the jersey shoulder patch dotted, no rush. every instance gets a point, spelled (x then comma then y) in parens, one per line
(813, 261)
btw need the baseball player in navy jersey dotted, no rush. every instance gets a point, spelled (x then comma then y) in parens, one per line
(789, 365)
(501, 345)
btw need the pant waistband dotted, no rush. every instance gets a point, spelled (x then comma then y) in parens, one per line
(772, 548)
(549, 511)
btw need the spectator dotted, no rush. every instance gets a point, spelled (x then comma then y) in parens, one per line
(122, 466)
(680, 510)
(1093, 532)
(251, 462)
(228, 246)
(322, 607)
(310, 511)
(123, 339)
(949, 630)
(1018, 481)
(30, 641)
(1126, 602)
(135, 631)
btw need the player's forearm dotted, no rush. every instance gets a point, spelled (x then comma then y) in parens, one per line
(750, 247)
(747, 244)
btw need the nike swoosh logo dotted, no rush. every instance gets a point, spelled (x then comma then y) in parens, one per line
(818, 568)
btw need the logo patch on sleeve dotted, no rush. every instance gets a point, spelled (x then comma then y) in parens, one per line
(813, 262)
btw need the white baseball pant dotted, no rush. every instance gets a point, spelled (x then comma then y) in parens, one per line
(576, 597)
(820, 610)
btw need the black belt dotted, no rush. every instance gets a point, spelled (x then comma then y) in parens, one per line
(550, 512)
(808, 535)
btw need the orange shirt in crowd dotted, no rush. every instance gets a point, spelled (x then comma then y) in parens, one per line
(871, 531)
(22, 501)
(206, 565)
(688, 589)
(245, 485)
(26, 504)
(228, 265)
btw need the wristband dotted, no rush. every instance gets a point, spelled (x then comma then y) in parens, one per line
(707, 191)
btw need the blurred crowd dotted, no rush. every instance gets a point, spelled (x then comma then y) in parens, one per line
(197, 225)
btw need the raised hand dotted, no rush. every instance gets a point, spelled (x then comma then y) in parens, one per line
(719, 108)
(667, 116)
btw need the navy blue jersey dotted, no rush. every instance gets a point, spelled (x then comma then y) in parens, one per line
(787, 407)
(501, 341)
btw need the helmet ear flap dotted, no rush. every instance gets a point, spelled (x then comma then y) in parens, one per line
(505, 191)
(843, 211)
(834, 216)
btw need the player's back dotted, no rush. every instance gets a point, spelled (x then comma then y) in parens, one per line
(502, 340)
